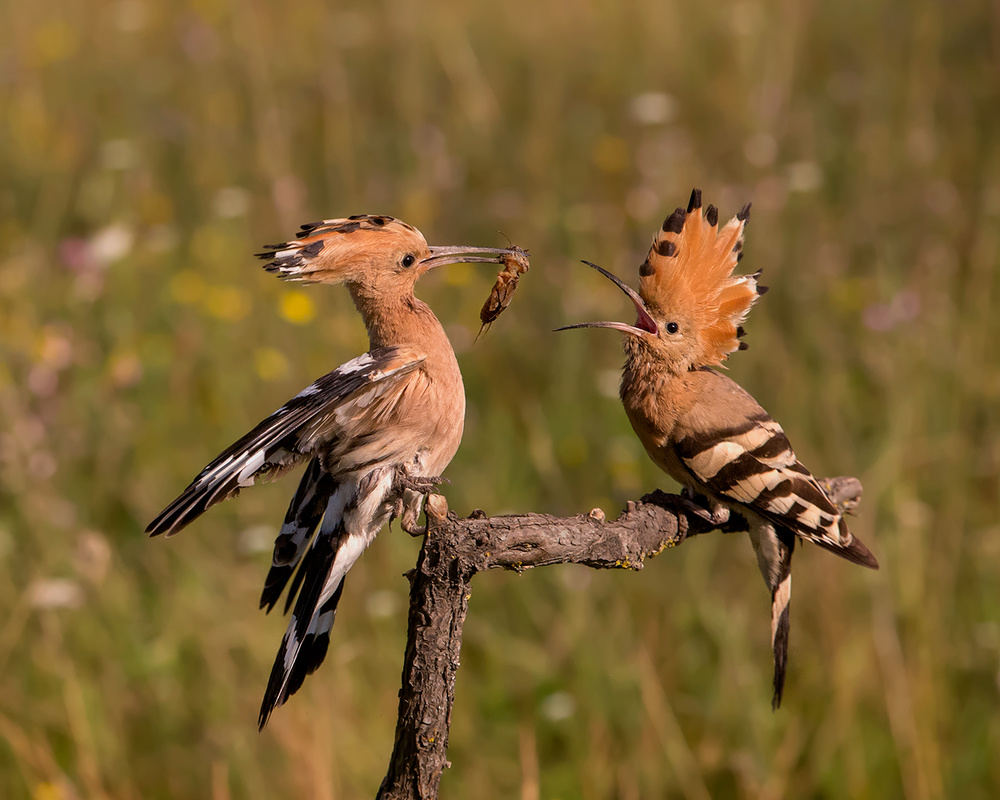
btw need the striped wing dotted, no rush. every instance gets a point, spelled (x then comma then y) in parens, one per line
(343, 408)
(752, 464)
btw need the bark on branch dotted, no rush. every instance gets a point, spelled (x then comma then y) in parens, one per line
(456, 549)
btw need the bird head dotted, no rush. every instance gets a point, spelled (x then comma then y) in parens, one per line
(690, 306)
(367, 252)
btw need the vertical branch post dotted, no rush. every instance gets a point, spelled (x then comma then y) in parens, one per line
(439, 600)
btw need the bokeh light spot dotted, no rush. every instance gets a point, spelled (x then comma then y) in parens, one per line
(270, 363)
(187, 287)
(611, 154)
(125, 368)
(55, 41)
(228, 303)
(297, 307)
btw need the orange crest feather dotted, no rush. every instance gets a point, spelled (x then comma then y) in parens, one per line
(324, 251)
(689, 271)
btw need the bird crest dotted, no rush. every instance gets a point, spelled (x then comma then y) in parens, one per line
(333, 249)
(689, 270)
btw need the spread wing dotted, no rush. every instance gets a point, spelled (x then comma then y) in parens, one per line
(751, 463)
(338, 417)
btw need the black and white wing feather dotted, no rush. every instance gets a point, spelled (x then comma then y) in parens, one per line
(328, 417)
(752, 464)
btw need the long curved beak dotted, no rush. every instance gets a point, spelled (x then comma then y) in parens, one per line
(463, 255)
(644, 323)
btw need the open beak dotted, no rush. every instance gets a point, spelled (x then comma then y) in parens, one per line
(644, 323)
(463, 255)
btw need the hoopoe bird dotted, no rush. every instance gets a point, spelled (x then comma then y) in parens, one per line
(376, 433)
(702, 428)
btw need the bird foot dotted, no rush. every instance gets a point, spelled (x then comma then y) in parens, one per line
(420, 484)
(410, 491)
(715, 515)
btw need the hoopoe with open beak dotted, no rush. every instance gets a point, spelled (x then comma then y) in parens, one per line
(376, 433)
(699, 426)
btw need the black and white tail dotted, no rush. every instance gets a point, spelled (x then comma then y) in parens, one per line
(774, 547)
(301, 521)
(353, 514)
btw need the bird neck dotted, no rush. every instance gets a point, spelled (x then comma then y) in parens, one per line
(652, 392)
(643, 377)
(396, 319)
(651, 365)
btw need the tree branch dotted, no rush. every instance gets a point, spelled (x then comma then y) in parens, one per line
(455, 550)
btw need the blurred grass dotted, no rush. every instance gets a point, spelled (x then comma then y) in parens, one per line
(149, 148)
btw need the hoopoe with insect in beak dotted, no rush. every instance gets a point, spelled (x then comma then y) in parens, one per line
(702, 428)
(375, 434)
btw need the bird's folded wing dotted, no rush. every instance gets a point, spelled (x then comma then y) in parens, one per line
(343, 407)
(753, 464)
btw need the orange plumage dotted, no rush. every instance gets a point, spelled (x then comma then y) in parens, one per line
(689, 270)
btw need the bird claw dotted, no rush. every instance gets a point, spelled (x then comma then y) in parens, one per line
(406, 508)
(410, 525)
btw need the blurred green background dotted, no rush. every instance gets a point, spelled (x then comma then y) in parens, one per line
(147, 149)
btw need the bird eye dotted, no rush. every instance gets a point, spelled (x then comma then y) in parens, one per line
(409, 260)
(673, 327)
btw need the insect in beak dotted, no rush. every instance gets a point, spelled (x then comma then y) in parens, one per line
(515, 264)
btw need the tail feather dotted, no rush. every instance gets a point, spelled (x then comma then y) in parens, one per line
(300, 652)
(293, 590)
(316, 643)
(303, 517)
(774, 547)
(780, 628)
(354, 513)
